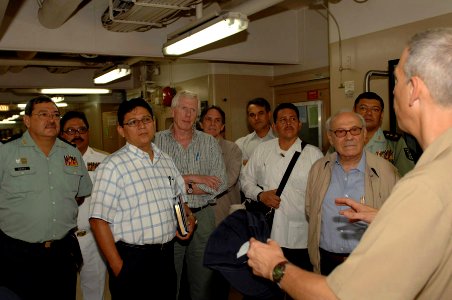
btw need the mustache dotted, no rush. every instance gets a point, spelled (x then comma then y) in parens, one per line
(78, 139)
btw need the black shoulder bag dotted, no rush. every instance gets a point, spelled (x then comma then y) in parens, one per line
(269, 212)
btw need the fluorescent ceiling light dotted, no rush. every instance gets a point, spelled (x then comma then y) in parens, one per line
(57, 99)
(61, 104)
(222, 26)
(74, 91)
(112, 74)
(7, 122)
(21, 105)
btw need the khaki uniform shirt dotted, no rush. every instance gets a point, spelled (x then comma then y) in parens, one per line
(392, 146)
(406, 253)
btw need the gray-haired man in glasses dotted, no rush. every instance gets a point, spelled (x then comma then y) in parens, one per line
(74, 128)
(350, 172)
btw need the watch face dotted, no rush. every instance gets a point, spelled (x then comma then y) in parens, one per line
(189, 190)
(278, 271)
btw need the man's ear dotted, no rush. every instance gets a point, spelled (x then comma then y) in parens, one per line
(416, 85)
(27, 121)
(330, 138)
(120, 130)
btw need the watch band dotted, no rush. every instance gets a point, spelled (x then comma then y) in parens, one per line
(278, 271)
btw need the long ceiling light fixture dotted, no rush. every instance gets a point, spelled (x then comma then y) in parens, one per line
(225, 25)
(74, 91)
(111, 74)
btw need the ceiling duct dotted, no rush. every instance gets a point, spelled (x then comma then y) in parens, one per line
(142, 15)
(54, 13)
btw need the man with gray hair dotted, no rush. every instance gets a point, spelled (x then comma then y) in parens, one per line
(406, 253)
(351, 173)
(198, 157)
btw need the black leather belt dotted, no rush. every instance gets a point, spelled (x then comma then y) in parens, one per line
(336, 257)
(198, 209)
(23, 244)
(160, 247)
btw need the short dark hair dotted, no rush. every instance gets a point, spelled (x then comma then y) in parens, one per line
(371, 96)
(32, 102)
(73, 115)
(259, 102)
(217, 108)
(285, 106)
(129, 105)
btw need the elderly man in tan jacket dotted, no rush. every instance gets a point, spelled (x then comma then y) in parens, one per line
(350, 173)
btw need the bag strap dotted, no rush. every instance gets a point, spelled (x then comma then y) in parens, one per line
(289, 169)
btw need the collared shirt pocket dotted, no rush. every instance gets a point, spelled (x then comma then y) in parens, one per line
(20, 180)
(72, 176)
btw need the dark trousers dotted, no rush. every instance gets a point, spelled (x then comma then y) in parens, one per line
(298, 257)
(329, 261)
(40, 270)
(147, 270)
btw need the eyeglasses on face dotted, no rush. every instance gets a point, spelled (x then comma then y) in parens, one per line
(365, 108)
(43, 115)
(137, 122)
(73, 131)
(343, 132)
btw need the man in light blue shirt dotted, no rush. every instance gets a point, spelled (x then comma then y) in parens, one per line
(352, 173)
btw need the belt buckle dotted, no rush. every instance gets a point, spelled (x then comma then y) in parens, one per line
(48, 244)
(81, 233)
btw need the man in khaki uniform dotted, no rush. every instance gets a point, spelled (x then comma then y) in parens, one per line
(389, 145)
(406, 252)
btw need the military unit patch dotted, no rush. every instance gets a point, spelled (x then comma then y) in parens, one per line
(92, 166)
(70, 160)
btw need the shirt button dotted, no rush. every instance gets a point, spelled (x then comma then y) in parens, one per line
(50, 172)
(51, 187)
(53, 202)
(346, 195)
(54, 220)
(342, 230)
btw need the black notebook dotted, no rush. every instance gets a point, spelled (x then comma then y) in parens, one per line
(179, 210)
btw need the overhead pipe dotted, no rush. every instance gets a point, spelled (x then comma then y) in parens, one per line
(249, 8)
(370, 74)
(54, 13)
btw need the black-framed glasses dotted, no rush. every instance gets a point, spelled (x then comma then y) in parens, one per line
(73, 131)
(47, 115)
(343, 132)
(137, 122)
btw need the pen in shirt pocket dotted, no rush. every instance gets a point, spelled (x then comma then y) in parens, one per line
(197, 156)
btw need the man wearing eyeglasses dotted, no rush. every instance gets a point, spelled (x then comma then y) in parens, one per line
(350, 172)
(132, 209)
(389, 145)
(42, 181)
(75, 129)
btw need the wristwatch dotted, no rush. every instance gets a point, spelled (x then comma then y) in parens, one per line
(278, 271)
(190, 187)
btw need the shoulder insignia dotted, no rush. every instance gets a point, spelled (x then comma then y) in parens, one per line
(392, 136)
(408, 154)
(13, 138)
